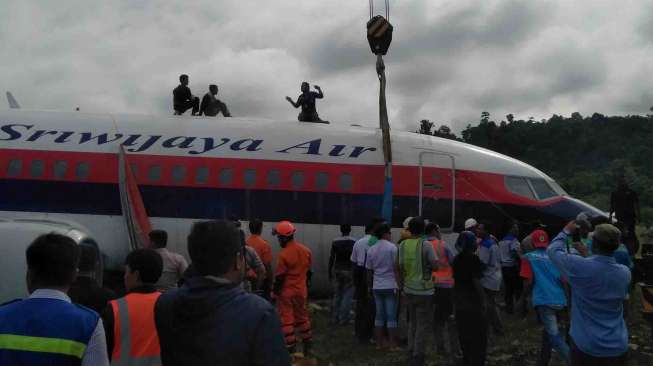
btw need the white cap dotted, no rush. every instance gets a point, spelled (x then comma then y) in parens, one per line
(407, 221)
(470, 223)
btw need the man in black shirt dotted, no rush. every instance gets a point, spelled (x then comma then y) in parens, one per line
(182, 99)
(307, 101)
(625, 204)
(340, 265)
(211, 106)
(86, 290)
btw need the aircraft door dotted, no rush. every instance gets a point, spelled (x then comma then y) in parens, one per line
(437, 189)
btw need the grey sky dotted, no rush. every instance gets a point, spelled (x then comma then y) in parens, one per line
(449, 60)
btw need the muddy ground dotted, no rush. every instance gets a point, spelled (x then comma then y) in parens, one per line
(520, 345)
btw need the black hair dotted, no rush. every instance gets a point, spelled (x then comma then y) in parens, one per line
(235, 220)
(213, 86)
(147, 262)
(52, 260)
(369, 228)
(431, 226)
(182, 77)
(381, 230)
(159, 238)
(213, 246)
(256, 226)
(87, 258)
(345, 229)
(416, 226)
(604, 246)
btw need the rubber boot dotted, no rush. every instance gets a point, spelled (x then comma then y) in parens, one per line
(393, 339)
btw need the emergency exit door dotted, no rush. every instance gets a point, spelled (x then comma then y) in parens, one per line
(437, 189)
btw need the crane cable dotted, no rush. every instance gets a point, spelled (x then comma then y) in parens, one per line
(387, 9)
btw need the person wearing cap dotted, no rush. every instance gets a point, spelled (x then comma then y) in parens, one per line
(544, 280)
(291, 278)
(599, 286)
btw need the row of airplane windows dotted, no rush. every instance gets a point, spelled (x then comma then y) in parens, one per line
(179, 173)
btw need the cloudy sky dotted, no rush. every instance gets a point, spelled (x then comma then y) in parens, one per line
(450, 59)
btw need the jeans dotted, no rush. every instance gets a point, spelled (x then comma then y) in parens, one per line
(551, 337)
(419, 313)
(343, 293)
(386, 308)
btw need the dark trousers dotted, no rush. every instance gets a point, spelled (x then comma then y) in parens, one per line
(579, 358)
(512, 286)
(444, 327)
(493, 310)
(193, 103)
(472, 334)
(365, 309)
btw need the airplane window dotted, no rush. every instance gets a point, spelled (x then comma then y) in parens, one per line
(178, 173)
(297, 180)
(346, 182)
(60, 167)
(322, 180)
(226, 176)
(519, 186)
(36, 168)
(202, 175)
(14, 168)
(559, 190)
(249, 177)
(543, 190)
(154, 173)
(274, 179)
(82, 171)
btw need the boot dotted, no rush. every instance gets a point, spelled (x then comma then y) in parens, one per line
(380, 338)
(393, 339)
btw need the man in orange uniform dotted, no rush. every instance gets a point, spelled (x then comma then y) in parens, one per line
(291, 287)
(132, 338)
(264, 252)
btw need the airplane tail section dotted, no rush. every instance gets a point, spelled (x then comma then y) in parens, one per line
(133, 209)
(13, 104)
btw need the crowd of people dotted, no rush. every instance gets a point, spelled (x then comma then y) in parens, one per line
(229, 306)
(456, 286)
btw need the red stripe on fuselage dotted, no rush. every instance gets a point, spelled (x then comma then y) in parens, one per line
(366, 179)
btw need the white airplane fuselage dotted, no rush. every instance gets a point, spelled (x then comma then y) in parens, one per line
(65, 165)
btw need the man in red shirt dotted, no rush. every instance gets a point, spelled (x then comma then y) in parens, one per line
(291, 287)
(264, 251)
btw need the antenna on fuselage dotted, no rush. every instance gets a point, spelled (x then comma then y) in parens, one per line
(13, 104)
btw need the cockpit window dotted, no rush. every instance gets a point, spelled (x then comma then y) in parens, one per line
(559, 190)
(520, 187)
(542, 189)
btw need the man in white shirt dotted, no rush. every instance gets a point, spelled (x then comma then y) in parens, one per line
(46, 328)
(174, 265)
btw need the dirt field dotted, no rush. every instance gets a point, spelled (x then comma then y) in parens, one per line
(520, 345)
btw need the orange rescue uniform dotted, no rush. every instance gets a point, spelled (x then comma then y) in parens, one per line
(136, 341)
(261, 247)
(293, 264)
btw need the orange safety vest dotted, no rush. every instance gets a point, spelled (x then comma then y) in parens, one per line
(444, 274)
(136, 342)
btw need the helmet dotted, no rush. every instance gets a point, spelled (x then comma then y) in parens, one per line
(284, 228)
(540, 239)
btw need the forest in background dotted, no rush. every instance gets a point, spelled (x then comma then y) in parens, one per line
(584, 154)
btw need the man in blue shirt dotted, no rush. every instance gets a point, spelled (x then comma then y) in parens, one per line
(549, 298)
(598, 288)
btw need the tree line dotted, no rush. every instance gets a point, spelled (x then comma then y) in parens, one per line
(583, 154)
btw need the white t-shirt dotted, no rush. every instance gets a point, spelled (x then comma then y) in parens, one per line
(381, 258)
(359, 251)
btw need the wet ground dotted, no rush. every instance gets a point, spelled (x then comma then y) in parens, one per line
(520, 345)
